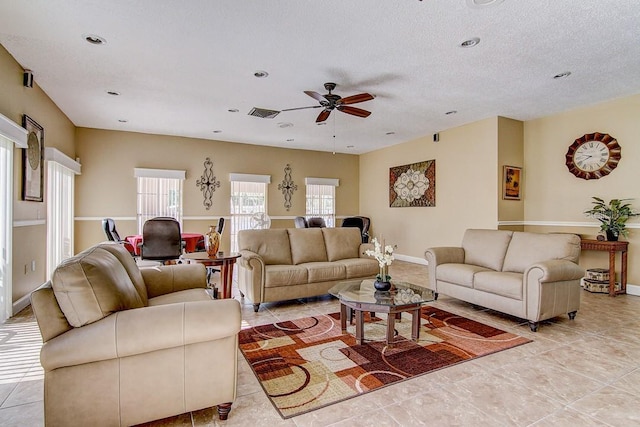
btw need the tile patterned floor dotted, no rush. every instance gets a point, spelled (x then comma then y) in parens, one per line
(584, 372)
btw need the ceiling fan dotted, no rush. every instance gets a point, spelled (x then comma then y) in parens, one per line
(331, 101)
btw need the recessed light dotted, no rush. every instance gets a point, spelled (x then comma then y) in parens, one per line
(321, 123)
(93, 39)
(123, 120)
(290, 140)
(261, 74)
(233, 110)
(478, 4)
(390, 133)
(471, 42)
(217, 131)
(448, 113)
(350, 146)
(113, 93)
(285, 125)
(562, 75)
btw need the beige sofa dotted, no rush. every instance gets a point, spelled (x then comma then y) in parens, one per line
(284, 264)
(124, 345)
(533, 276)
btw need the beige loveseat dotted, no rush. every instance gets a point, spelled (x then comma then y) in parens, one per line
(283, 264)
(533, 276)
(124, 345)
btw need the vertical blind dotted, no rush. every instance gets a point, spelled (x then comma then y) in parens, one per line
(321, 202)
(247, 198)
(159, 194)
(59, 214)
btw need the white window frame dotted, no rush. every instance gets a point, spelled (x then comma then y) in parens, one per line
(321, 199)
(10, 134)
(61, 171)
(168, 185)
(242, 209)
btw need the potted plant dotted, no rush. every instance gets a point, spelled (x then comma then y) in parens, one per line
(612, 216)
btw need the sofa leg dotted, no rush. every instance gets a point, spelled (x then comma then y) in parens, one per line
(572, 315)
(223, 410)
(435, 296)
(256, 307)
(533, 326)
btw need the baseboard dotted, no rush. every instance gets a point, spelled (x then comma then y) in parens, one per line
(412, 259)
(19, 305)
(633, 290)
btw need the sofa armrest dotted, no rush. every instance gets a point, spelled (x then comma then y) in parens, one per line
(441, 255)
(250, 260)
(556, 270)
(166, 279)
(143, 330)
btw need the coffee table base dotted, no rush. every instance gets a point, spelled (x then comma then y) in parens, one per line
(360, 308)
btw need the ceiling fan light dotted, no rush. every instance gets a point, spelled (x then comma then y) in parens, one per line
(472, 42)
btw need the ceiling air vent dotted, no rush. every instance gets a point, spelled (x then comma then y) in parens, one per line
(263, 113)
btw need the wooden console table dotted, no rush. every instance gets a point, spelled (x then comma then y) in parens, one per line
(612, 248)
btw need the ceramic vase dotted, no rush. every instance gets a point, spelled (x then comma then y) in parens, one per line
(212, 242)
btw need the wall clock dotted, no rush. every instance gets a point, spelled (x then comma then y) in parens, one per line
(593, 155)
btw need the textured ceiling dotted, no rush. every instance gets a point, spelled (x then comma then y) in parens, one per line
(179, 66)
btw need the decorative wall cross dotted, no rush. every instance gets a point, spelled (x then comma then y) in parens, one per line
(208, 183)
(287, 187)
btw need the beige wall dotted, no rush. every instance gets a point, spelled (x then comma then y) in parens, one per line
(556, 200)
(510, 153)
(107, 187)
(466, 187)
(29, 236)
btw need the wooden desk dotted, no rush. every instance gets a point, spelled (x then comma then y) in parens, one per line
(225, 262)
(612, 248)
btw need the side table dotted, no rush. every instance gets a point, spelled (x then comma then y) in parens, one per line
(612, 248)
(225, 262)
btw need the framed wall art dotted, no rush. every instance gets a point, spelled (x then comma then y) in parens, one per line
(413, 185)
(32, 159)
(511, 183)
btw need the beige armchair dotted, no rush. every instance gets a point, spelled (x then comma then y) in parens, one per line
(124, 345)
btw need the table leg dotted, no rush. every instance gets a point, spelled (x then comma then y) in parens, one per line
(612, 273)
(391, 328)
(623, 274)
(359, 327)
(343, 318)
(415, 324)
(226, 274)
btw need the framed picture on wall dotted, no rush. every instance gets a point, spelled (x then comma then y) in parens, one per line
(32, 158)
(512, 183)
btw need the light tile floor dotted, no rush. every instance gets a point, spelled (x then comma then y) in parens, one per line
(584, 372)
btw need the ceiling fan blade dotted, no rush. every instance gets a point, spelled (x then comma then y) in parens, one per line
(302, 108)
(354, 99)
(324, 115)
(354, 111)
(315, 95)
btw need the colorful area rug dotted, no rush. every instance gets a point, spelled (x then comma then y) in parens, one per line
(308, 363)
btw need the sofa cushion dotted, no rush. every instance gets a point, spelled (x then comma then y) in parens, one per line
(360, 267)
(500, 283)
(527, 249)
(459, 274)
(325, 271)
(342, 242)
(307, 245)
(197, 294)
(486, 248)
(92, 285)
(284, 275)
(272, 244)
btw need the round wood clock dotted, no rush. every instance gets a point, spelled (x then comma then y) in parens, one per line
(593, 155)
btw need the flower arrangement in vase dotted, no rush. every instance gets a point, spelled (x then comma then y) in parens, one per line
(384, 255)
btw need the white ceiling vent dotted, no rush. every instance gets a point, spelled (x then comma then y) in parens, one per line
(263, 113)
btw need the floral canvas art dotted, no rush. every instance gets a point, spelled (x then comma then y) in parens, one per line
(413, 185)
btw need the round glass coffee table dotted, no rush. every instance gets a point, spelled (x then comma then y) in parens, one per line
(359, 296)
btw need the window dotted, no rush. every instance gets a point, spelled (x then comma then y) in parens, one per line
(321, 199)
(248, 197)
(9, 133)
(61, 172)
(159, 194)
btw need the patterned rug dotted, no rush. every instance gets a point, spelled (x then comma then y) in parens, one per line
(307, 364)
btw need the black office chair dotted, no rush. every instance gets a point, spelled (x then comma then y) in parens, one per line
(161, 239)
(362, 222)
(301, 222)
(316, 221)
(109, 228)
